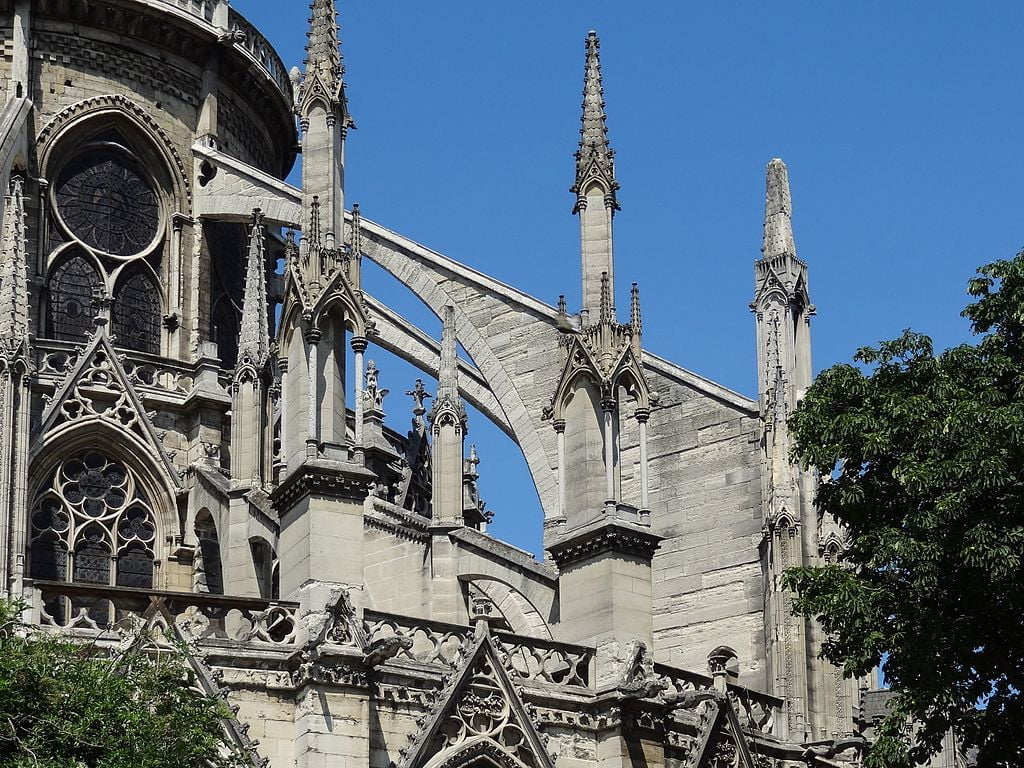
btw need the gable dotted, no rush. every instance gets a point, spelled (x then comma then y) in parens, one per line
(479, 717)
(97, 389)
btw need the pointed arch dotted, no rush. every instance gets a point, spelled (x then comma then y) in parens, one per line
(209, 570)
(90, 117)
(92, 521)
(72, 289)
(137, 310)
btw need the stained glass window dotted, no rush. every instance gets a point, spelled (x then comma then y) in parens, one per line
(136, 312)
(107, 203)
(72, 288)
(94, 508)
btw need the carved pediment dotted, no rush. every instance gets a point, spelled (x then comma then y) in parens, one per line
(478, 714)
(97, 389)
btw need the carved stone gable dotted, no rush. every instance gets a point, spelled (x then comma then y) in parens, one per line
(98, 390)
(479, 712)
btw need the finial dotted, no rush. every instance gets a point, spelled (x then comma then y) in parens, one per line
(562, 306)
(607, 308)
(634, 311)
(778, 213)
(419, 396)
(594, 159)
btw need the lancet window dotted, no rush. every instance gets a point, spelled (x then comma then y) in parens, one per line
(93, 524)
(73, 289)
(135, 317)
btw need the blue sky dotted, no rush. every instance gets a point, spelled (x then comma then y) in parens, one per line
(900, 123)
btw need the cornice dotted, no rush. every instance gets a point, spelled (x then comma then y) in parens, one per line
(608, 536)
(322, 477)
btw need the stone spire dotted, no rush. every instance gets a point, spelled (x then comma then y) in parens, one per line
(324, 68)
(254, 338)
(448, 425)
(635, 319)
(14, 310)
(607, 314)
(448, 400)
(595, 157)
(778, 213)
(595, 189)
(323, 116)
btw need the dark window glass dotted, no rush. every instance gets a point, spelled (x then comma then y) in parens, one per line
(92, 560)
(106, 202)
(136, 313)
(72, 289)
(49, 559)
(135, 568)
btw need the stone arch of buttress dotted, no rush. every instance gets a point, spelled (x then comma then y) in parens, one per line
(510, 337)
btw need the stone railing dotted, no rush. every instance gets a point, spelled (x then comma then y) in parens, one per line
(201, 9)
(529, 658)
(755, 711)
(433, 642)
(261, 51)
(149, 374)
(241, 34)
(548, 661)
(97, 610)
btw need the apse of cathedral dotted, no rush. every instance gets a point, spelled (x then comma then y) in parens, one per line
(193, 433)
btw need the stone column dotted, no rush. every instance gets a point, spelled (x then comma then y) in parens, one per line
(642, 415)
(608, 409)
(359, 350)
(313, 336)
(560, 432)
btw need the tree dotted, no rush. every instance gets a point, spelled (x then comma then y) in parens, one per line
(65, 704)
(922, 460)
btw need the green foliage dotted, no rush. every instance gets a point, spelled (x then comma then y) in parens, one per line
(67, 705)
(926, 456)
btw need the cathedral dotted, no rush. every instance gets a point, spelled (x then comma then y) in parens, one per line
(193, 434)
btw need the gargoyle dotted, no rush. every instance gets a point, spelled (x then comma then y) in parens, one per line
(385, 648)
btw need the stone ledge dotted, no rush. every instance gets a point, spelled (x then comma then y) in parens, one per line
(608, 535)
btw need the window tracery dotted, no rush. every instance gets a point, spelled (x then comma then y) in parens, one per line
(108, 210)
(73, 290)
(94, 522)
(106, 201)
(136, 313)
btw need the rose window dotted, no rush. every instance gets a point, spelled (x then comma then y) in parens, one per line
(106, 202)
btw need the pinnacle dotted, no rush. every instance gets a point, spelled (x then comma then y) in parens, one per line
(323, 54)
(778, 212)
(448, 370)
(594, 158)
(254, 338)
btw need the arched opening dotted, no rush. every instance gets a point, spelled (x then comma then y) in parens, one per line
(264, 561)
(92, 521)
(72, 290)
(136, 312)
(585, 486)
(208, 568)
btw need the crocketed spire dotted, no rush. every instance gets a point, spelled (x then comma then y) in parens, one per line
(323, 52)
(595, 157)
(254, 338)
(14, 310)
